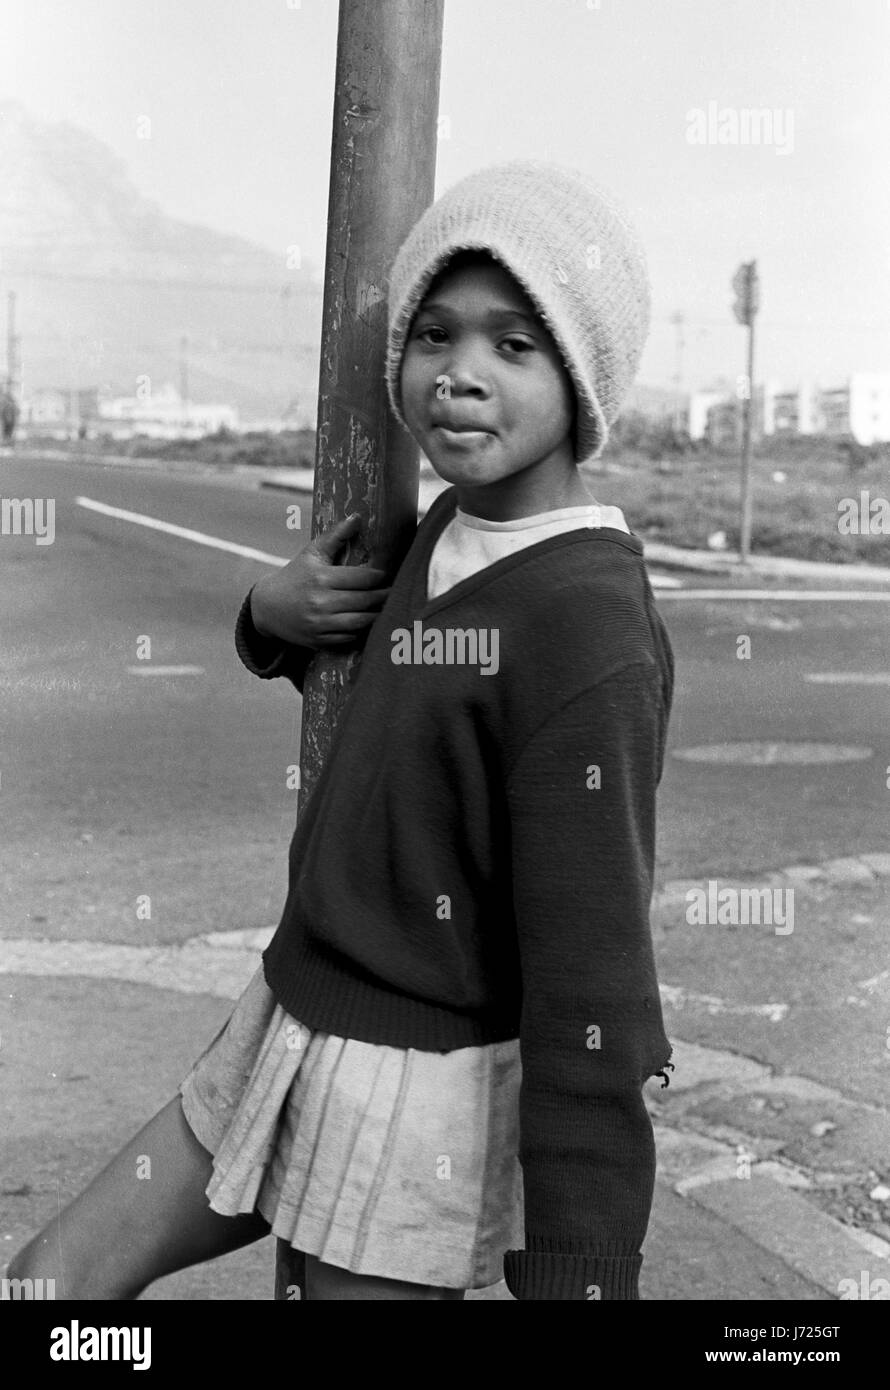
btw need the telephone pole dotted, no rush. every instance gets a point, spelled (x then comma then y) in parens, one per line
(11, 365)
(746, 284)
(678, 320)
(383, 167)
(184, 377)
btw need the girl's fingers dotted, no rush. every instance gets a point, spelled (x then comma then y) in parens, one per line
(351, 576)
(359, 601)
(340, 623)
(332, 540)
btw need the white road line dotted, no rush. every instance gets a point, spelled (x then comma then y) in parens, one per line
(784, 595)
(247, 552)
(849, 677)
(147, 669)
(663, 584)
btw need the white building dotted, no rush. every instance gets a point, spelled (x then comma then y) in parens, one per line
(163, 414)
(790, 410)
(869, 407)
(860, 407)
(700, 403)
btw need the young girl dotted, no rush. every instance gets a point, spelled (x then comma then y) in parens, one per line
(436, 1076)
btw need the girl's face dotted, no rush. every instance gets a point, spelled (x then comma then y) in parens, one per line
(486, 396)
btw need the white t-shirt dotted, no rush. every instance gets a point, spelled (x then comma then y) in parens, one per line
(469, 543)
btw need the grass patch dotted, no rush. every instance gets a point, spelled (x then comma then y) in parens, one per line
(684, 499)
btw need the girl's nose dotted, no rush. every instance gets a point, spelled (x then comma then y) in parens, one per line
(465, 374)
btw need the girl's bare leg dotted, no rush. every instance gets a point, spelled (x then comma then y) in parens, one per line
(138, 1220)
(325, 1281)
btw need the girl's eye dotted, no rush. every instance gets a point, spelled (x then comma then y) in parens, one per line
(517, 343)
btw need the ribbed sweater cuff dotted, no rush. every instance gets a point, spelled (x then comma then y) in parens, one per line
(545, 1274)
(263, 656)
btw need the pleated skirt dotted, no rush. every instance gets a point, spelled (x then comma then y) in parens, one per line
(381, 1160)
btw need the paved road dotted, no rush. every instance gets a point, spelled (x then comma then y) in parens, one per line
(116, 785)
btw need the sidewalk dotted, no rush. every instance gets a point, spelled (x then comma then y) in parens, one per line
(84, 1070)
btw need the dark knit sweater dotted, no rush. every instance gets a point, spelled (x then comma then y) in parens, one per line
(475, 863)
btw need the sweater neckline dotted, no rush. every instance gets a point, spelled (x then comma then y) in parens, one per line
(507, 562)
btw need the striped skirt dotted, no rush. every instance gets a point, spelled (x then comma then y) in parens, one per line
(382, 1160)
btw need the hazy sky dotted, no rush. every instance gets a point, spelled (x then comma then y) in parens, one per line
(240, 92)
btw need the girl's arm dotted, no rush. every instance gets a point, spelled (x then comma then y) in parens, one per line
(310, 603)
(268, 656)
(591, 1029)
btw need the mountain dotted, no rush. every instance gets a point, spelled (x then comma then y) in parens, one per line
(107, 285)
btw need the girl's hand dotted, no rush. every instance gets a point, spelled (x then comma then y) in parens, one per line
(314, 603)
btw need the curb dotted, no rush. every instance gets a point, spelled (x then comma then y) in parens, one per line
(763, 566)
(766, 1205)
(783, 1223)
(655, 552)
(865, 869)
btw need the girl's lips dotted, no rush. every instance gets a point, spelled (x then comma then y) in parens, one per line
(462, 439)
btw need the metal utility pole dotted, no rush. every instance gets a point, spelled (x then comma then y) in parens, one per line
(747, 288)
(383, 167)
(10, 343)
(11, 392)
(184, 376)
(678, 320)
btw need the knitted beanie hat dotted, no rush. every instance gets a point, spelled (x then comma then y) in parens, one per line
(572, 249)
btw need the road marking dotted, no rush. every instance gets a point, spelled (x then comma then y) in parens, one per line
(670, 587)
(246, 552)
(785, 595)
(849, 677)
(770, 754)
(146, 669)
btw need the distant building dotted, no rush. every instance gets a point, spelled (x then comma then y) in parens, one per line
(870, 407)
(791, 411)
(46, 407)
(859, 407)
(700, 403)
(718, 416)
(834, 411)
(162, 414)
